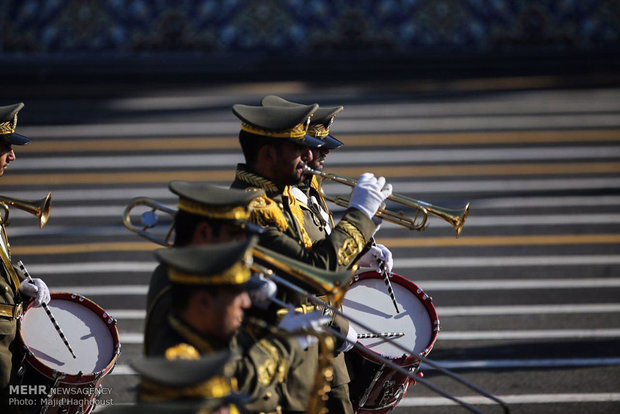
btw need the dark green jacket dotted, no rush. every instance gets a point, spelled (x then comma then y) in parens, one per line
(9, 295)
(339, 251)
(260, 366)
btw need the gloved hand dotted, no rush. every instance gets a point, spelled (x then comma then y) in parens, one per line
(261, 295)
(369, 193)
(351, 339)
(313, 321)
(36, 289)
(375, 256)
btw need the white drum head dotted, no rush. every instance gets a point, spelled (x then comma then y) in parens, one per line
(86, 332)
(368, 301)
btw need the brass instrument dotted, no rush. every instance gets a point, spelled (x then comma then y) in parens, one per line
(149, 219)
(318, 281)
(456, 217)
(39, 208)
(333, 285)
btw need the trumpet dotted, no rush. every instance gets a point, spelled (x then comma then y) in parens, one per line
(455, 217)
(39, 208)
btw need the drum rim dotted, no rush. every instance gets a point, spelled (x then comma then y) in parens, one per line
(75, 378)
(426, 300)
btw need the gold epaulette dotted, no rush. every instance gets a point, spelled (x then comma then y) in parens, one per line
(182, 351)
(265, 212)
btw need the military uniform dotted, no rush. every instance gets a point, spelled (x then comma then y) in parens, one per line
(287, 233)
(282, 216)
(261, 362)
(318, 223)
(11, 305)
(207, 202)
(186, 385)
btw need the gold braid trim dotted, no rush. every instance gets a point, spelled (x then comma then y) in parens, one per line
(8, 127)
(216, 387)
(273, 366)
(352, 245)
(318, 130)
(298, 215)
(265, 212)
(256, 181)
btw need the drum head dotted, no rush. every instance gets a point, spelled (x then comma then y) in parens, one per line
(87, 333)
(367, 300)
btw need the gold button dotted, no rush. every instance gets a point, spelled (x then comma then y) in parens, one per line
(281, 206)
(267, 395)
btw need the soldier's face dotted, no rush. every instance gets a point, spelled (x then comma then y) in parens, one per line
(7, 155)
(228, 307)
(289, 162)
(319, 155)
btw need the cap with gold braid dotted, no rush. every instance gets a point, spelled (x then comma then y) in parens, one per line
(8, 123)
(213, 202)
(188, 385)
(320, 122)
(277, 122)
(224, 264)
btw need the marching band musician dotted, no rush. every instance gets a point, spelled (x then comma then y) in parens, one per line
(318, 223)
(276, 144)
(206, 215)
(209, 290)
(191, 386)
(13, 293)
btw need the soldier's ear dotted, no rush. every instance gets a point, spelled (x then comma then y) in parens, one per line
(269, 153)
(202, 233)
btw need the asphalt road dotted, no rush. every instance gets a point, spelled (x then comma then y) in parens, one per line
(528, 296)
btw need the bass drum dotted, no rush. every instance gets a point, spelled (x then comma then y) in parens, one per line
(57, 382)
(375, 387)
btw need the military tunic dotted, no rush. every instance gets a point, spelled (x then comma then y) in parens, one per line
(11, 305)
(158, 306)
(260, 366)
(337, 251)
(318, 222)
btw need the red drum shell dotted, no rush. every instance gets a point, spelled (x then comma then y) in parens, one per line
(375, 388)
(72, 312)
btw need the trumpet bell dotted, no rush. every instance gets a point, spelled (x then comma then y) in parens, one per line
(313, 279)
(39, 208)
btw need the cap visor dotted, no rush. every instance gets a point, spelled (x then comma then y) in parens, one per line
(250, 228)
(332, 143)
(313, 142)
(16, 139)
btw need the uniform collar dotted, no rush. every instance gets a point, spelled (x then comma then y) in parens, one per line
(244, 174)
(189, 334)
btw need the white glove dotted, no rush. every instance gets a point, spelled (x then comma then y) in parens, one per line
(313, 321)
(377, 255)
(369, 193)
(261, 295)
(351, 339)
(37, 290)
